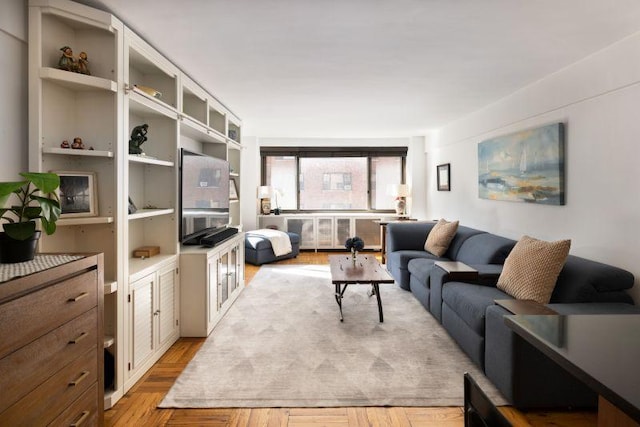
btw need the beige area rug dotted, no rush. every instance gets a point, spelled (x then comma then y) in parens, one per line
(282, 345)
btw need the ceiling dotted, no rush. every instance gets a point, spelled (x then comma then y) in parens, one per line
(370, 68)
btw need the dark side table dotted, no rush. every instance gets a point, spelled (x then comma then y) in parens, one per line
(601, 350)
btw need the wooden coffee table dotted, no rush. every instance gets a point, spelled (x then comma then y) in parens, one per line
(367, 270)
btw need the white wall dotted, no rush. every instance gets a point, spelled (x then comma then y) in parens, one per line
(251, 166)
(598, 100)
(13, 89)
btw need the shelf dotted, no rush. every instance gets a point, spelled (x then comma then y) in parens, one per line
(193, 129)
(110, 286)
(85, 220)
(140, 267)
(77, 81)
(109, 341)
(72, 152)
(148, 213)
(150, 161)
(144, 105)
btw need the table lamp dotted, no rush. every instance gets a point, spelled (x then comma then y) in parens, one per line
(400, 192)
(264, 194)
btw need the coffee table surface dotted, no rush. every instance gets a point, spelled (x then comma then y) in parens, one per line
(366, 270)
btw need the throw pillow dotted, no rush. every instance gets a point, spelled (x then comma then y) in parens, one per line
(532, 268)
(440, 237)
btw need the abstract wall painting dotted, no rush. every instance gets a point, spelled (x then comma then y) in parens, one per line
(526, 166)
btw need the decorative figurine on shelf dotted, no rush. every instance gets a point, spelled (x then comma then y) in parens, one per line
(354, 244)
(83, 64)
(67, 62)
(65, 144)
(138, 137)
(77, 143)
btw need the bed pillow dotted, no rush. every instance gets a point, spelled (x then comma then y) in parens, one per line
(531, 270)
(440, 237)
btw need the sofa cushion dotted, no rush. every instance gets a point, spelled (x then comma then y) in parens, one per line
(485, 248)
(397, 264)
(583, 280)
(440, 237)
(420, 268)
(462, 235)
(531, 269)
(470, 302)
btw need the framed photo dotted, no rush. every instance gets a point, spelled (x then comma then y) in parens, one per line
(444, 177)
(78, 194)
(233, 189)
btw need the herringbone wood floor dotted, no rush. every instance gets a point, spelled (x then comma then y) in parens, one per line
(138, 406)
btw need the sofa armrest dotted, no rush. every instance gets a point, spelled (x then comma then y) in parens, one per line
(407, 235)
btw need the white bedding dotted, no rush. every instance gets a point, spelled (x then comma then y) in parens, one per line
(280, 241)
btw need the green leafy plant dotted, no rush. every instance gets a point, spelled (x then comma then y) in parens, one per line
(37, 200)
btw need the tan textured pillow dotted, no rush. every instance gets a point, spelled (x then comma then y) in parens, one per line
(440, 237)
(532, 268)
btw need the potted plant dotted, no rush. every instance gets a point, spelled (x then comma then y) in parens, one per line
(37, 199)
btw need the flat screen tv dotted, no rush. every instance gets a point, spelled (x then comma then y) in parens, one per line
(204, 196)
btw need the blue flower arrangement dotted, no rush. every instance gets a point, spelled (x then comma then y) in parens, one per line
(354, 244)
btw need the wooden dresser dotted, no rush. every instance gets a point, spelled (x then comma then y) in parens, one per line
(51, 345)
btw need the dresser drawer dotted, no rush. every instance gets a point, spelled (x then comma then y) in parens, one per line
(82, 412)
(25, 369)
(46, 402)
(27, 318)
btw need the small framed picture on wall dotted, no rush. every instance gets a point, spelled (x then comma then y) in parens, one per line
(444, 177)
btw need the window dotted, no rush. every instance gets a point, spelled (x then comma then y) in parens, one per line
(331, 179)
(384, 172)
(282, 172)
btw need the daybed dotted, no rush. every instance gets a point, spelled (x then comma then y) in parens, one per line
(468, 312)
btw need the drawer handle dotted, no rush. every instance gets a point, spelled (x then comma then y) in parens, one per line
(78, 338)
(78, 298)
(81, 420)
(82, 376)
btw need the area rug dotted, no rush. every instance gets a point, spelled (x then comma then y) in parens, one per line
(282, 344)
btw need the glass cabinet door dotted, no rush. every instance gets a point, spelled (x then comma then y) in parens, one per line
(223, 278)
(233, 269)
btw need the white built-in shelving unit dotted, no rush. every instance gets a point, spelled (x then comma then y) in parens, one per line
(142, 295)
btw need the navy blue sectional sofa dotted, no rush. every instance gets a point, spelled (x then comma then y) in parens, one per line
(526, 377)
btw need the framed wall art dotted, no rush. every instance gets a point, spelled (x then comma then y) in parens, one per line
(444, 177)
(78, 194)
(525, 166)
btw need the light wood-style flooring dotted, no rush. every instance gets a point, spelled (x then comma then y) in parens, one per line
(138, 406)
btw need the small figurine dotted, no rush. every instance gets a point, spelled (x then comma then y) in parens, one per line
(77, 144)
(138, 137)
(65, 144)
(67, 62)
(83, 64)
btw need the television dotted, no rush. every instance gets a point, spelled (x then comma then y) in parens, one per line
(204, 196)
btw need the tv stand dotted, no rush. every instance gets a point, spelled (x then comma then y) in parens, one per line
(213, 239)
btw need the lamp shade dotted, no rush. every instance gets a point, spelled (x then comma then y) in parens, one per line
(398, 190)
(264, 192)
